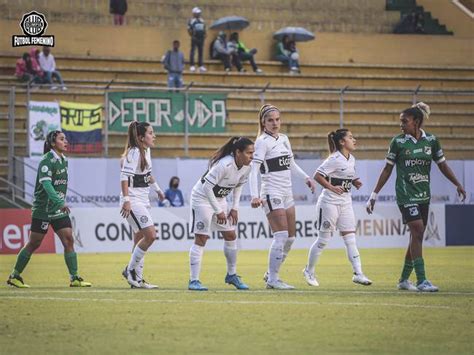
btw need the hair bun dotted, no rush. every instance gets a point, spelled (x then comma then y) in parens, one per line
(423, 108)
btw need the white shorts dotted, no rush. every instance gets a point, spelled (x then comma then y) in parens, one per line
(140, 217)
(203, 219)
(274, 202)
(331, 217)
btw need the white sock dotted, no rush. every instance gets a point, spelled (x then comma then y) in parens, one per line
(352, 252)
(137, 255)
(287, 247)
(275, 256)
(195, 260)
(230, 252)
(316, 250)
(140, 267)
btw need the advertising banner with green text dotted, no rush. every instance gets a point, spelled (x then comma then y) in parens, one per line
(165, 111)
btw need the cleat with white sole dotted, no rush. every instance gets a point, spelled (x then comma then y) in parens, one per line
(427, 286)
(310, 278)
(279, 285)
(361, 279)
(406, 285)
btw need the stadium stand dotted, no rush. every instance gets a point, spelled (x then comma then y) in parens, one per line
(345, 53)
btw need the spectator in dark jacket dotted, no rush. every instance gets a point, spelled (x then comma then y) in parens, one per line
(225, 53)
(174, 65)
(173, 194)
(197, 31)
(118, 8)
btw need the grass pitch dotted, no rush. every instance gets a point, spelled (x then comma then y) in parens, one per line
(337, 317)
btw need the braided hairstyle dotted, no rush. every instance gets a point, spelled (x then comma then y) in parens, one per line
(264, 111)
(50, 140)
(334, 139)
(136, 130)
(233, 144)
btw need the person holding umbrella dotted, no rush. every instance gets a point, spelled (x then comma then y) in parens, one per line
(287, 54)
(197, 31)
(286, 47)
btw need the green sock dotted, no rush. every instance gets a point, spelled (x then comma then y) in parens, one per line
(22, 260)
(71, 262)
(419, 265)
(407, 269)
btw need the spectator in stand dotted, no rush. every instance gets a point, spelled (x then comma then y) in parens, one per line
(174, 65)
(48, 65)
(118, 8)
(243, 52)
(197, 31)
(226, 53)
(34, 55)
(287, 54)
(25, 72)
(173, 195)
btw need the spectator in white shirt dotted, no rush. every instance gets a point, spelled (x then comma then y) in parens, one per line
(48, 65)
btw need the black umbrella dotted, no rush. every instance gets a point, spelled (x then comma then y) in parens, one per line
(297, 34)
(230, 23)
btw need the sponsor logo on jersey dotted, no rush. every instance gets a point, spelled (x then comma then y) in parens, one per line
(143, 219)
(220, 191)
(416, 178)
(417, 162)
(284, 161)
(60, 182)
(419, 150)
(326, 224)
(44, 168)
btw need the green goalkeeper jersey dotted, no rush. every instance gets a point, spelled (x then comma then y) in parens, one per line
(52, 167)
(413, 160)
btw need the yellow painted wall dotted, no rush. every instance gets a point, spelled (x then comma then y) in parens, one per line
(149, 42)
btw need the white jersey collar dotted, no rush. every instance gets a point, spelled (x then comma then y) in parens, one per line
(409, 136)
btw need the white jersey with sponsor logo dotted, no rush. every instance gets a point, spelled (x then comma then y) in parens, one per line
(339, 171)
(138, 179)
(274, 154)
(224, 176)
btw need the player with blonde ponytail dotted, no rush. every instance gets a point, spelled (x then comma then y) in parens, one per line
(274, 160)
(412, 153)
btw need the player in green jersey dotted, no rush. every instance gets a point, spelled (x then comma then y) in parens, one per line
(49, 208)
(412, 152)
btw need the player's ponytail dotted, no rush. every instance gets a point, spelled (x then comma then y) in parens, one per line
(136, 130)
(420, 112)
(233, 144)
(50, 139)
(334, 139)
(264, 111)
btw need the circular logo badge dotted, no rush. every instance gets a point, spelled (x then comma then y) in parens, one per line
(44, 169)
(276, 201)
(143, 219)
(33, 23)
(326, 224)
(200, 225)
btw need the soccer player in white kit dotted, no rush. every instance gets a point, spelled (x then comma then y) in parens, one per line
(135, 181)
(228, 171)
(337, 175)
(273, 159)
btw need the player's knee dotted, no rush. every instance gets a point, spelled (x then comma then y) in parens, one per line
(200, 239)
(349, 239)
(323, 239)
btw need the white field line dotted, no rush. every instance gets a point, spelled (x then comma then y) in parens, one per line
(233, 302)
(125, 290)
